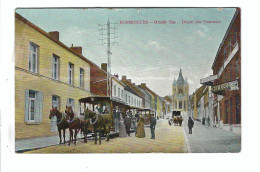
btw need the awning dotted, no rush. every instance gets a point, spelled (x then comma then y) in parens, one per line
(208, 80)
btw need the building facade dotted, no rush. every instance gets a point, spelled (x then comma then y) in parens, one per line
(227, 86)
(180, 93)
(47, 74)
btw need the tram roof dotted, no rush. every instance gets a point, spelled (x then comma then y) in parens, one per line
(94, 99)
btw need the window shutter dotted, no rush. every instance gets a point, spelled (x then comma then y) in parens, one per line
(52, 70)
(39, 106)
(26, 112)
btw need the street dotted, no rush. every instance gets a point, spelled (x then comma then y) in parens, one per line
(205, 139)
(168, 139)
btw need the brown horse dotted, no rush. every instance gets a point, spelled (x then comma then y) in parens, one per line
(100, 123)
(62, 123)
(76, 124)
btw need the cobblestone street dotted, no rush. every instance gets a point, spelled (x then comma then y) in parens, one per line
(169, 139)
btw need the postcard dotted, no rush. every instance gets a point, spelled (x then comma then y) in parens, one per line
(127, 80)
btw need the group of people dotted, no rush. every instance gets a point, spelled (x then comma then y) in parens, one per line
(204, 120)
(123, 125)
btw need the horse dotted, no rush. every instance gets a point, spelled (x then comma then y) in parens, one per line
(100, 122)
(62, 123)
(76, 124)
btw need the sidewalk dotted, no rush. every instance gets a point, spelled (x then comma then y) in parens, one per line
(24, 145)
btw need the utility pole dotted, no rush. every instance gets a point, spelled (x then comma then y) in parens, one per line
(108, 38)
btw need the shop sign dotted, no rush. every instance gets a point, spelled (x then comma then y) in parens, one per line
(233, 85)
(208, 79)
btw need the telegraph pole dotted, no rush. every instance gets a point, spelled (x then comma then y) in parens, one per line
(108, 40)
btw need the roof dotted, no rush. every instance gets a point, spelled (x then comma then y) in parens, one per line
(18, 16)
(127, 88)
(227, 32)
(134, 88)
(118, 81)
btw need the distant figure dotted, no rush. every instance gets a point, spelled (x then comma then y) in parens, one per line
(105, 111)
(116, 116)
(122, 129)
(99, 109)
(140, 133)
(190, 125)
(203, 121)
(208, 121)
(128, 124)
(152, 126)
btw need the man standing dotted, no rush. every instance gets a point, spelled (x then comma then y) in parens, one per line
(190, 125)
(152, 126)
(116, 116)
(127, 124)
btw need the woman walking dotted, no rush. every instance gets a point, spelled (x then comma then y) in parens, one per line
(122, 130)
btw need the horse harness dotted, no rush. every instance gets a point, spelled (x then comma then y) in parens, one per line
(62, 117)
(95, 119)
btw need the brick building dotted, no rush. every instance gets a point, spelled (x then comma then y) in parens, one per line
(227, 86)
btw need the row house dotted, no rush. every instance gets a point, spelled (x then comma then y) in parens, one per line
(167, 106)
(226, 78)
(47, 74)
(137, 91)
(153, 106)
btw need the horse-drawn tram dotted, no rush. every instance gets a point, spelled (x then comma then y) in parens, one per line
(147, 115)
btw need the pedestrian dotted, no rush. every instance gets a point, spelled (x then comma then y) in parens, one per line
(140, 133)
(190, 125)
(152, 126)
(203, 121)
(122, 129)
(116, 116)
(127, 122)
(105, 111)
(99, 109)
(208, 121)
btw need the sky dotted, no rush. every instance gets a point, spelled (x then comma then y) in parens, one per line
(146, 53)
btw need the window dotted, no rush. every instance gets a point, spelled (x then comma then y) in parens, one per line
(114, 90)
(122, 94)
(81, 78)
(33, 57)
(55, 67)
(56, 101)
(129, 99)
(118, 92)
(126, 98)
(71, 73)
(180, 104)
(71, 102)
(33, 106)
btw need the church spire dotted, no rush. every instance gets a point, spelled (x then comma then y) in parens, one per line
(180, 80)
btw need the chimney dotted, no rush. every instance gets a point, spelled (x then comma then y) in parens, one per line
(55, 35)
(116, 75)
(129, 80)
(143, 84)
(77, 50)
(123, 77)
(104, 66)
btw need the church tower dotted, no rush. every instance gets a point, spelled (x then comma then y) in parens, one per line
(180, 93)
